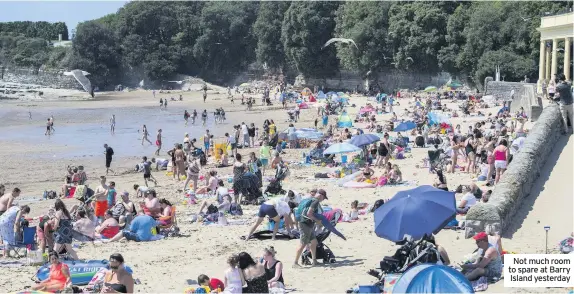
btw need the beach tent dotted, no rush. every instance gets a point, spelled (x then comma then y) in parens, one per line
(432, 278)
(321, 95)
(312, 99)
(437, 118)
(303, 105)
(344, 120)
(306, 92)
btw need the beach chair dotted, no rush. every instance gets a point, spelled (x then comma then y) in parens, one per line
(170, 229)
(28, 242)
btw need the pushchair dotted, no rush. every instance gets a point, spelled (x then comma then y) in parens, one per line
(323, 251)
(250, 189)
(197, 152)
(437, 160)
(274, 186)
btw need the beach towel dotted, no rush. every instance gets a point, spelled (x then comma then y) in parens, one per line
(11, 263)
(480, 285)
(267, 234)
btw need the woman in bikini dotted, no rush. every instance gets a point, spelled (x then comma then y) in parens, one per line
(145, 135)
(470, 150)
(117, 279)
(455, 147)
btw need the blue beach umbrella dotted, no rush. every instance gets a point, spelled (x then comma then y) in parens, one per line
(405, 126)
(364, 139)
(416, 212)
(341, 148)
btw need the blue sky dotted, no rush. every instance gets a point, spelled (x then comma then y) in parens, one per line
(70, 12)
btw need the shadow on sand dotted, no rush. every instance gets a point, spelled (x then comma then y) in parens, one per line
(537, 188)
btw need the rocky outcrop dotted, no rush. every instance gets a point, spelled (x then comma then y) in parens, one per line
(520, 176)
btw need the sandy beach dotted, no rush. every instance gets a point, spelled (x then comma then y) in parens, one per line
(35, 162)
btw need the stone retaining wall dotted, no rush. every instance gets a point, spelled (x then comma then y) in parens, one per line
(48, 79)
(524, 96)
(520, 176)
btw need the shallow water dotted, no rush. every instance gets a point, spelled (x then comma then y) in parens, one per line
(85, 131)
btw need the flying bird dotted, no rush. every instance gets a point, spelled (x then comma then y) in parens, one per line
(409, 58)
(525, 19)
(177, 82)
(342, 40)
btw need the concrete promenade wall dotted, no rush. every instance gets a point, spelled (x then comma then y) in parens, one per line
(520, 176)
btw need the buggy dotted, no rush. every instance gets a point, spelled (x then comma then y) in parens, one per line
(323, 251)
(250, 189)
(274, 186)
(437, 160)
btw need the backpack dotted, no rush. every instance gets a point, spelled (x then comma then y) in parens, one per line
(303, 208)
(110, 151)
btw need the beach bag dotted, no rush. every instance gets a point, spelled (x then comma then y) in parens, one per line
(302, 208)
(236, 209)
(382, 181)
(211, 209)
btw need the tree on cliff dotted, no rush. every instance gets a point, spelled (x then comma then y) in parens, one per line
(306, 27)
(267, 30)
(366, 23)
(95, 50)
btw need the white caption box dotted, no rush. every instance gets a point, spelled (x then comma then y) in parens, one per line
(539, 270)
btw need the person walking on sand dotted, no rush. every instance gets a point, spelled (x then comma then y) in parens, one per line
(204, 95)
(48, 128)
(113, 124)
(179, 161)
(109, 154)
(204, 117)
(145, 135)
(193, 116)
(307, 226)
(52, 124)
(186, 116)
(158, 141)
(30, 114)
(146, 164)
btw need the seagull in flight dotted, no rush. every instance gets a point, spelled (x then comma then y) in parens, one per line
(525, 19)
(409, 58)
(342, 40)
(177, 82)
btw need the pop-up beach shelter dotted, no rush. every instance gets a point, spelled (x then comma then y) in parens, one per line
(344, 120)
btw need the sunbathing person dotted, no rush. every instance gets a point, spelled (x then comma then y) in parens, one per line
(151, 206)
(59, 278)
(211, 184)
(84, 225)
(140, 230)
(224, 159)
(366, 175)
(109, 228)
(395, 175)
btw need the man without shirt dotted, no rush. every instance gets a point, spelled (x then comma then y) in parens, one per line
(7, 201)
(101, 196)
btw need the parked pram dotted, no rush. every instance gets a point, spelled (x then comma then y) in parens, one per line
(274, 187)
(197, 152)
(323, 251)
(437, 159)
(250, 189)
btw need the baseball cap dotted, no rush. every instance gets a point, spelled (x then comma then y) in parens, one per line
(125, 193)
(480, 236)
(322, 192)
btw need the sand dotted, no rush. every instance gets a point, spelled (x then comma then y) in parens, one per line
(172, 264)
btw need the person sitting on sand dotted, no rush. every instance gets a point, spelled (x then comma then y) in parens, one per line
(441, 181)
(254, 274)
(467, 201)
(395, 175)
(494, 238)
(234, 279)
(59, 277)
(223, 159)
(10, 223)
(84, 225)
(222, 195)
(488, 265)
(109, 228)
(166, 213)
(354, 214)
(275, 209)
(7, 201)
(211, 183)
(130, 210)
(151, 206)
(273, 269)
(367, 173)
(140, 230)
(117, 279)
